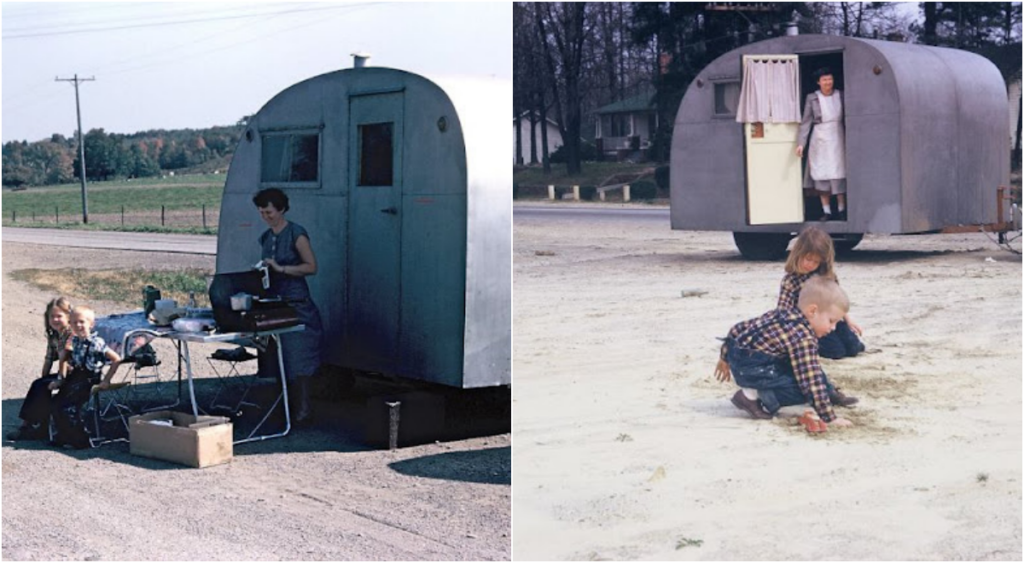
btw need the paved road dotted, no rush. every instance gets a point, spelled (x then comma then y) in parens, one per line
(571, 211)
(151, 242)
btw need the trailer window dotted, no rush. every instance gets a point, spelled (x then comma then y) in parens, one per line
(727, 97)
(376, 154)
(290, 158)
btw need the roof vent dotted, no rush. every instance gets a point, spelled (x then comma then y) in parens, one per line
(359, 59)
(791, 25)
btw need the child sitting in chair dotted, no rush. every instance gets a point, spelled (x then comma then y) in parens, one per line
(84, 356)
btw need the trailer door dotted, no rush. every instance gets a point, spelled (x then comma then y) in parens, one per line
(375, 230)
(770, 92)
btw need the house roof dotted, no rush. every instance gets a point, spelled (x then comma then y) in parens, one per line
(525, 116)
(641, 102)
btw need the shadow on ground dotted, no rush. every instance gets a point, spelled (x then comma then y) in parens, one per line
(492, 466)
(346, 417)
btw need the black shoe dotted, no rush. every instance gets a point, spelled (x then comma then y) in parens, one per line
(753, 407)
(841, 400)
(28, 432)
(841, 216)
(825, 217)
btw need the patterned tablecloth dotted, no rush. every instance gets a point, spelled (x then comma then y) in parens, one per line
(113, 329)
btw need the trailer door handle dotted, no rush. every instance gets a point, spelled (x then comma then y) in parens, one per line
(390, 211)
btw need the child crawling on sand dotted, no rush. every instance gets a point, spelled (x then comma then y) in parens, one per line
(774, 357)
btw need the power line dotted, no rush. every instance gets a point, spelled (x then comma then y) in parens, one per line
(81, 142)
(182, 22)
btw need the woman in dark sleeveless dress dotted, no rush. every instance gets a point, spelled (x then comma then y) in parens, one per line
(286, 249)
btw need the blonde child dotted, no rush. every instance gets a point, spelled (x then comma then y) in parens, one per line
(81, 367)
(813, 253)
(35, 410)
(774, 357)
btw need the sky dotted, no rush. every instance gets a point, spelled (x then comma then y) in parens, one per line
(174, 65)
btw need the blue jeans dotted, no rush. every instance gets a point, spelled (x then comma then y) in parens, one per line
(772, 377)
(840, 343)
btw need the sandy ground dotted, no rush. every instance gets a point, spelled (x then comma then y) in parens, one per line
(627, 448)
(315, 495)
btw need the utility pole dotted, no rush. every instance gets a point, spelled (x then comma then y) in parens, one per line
(81, 142)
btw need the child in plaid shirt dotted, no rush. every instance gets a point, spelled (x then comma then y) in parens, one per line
(774, 357)
(85, 354)
(813, 253)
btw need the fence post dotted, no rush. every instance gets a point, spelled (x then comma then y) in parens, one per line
(551, 192)
(56, 214)
(625, 193)
(575, 193)
(204, 215)
(14, 215)
(601, 193)
(161, 216)
(122, 215)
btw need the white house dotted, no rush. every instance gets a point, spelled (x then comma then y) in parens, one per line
(554, 139)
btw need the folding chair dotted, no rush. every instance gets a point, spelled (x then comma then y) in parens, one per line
(231, 380)
(148, 391)
(101, 411)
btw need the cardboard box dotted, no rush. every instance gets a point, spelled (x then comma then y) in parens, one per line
(182, 438)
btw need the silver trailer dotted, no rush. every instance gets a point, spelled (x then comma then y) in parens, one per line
(404, 188)
(926, 145)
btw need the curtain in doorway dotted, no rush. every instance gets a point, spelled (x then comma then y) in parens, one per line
(770, 91)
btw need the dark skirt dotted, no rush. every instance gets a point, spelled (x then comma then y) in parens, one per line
(302, 350)
(35, 410)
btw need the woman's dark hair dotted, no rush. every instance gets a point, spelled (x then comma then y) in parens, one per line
(823, 71)
(271, 196)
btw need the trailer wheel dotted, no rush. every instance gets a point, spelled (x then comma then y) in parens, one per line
(845, 243)
(762, 246)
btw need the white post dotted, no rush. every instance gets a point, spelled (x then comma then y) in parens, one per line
(575, 193)
(600, 194)
(625, 193)
(551, 192)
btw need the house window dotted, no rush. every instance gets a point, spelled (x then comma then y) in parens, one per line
(615, 125)
(290, 158)
(376, 154)
(727, 97)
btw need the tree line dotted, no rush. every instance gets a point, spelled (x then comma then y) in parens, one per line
(114, 155)
(570, 58)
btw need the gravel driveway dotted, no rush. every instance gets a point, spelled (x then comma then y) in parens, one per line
(318, 494)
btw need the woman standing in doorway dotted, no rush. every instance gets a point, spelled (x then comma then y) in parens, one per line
(287, 251)
(827, 156)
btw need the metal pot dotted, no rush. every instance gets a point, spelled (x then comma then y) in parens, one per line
(241, 302)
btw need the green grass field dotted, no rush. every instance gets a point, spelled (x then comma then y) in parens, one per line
(182, 198)
(592, 174)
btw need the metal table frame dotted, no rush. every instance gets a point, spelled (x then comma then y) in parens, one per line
(182, 339)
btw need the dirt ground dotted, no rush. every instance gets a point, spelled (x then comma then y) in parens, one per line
(627, 447)
(318, 494)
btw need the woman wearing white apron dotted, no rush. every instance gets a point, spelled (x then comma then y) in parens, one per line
(827, 157)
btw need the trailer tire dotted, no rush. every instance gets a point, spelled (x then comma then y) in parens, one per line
(762, 246)
(844, 244)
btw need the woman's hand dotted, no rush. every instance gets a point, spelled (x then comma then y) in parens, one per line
(273, 264)
(722, 372)
(799, 151)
